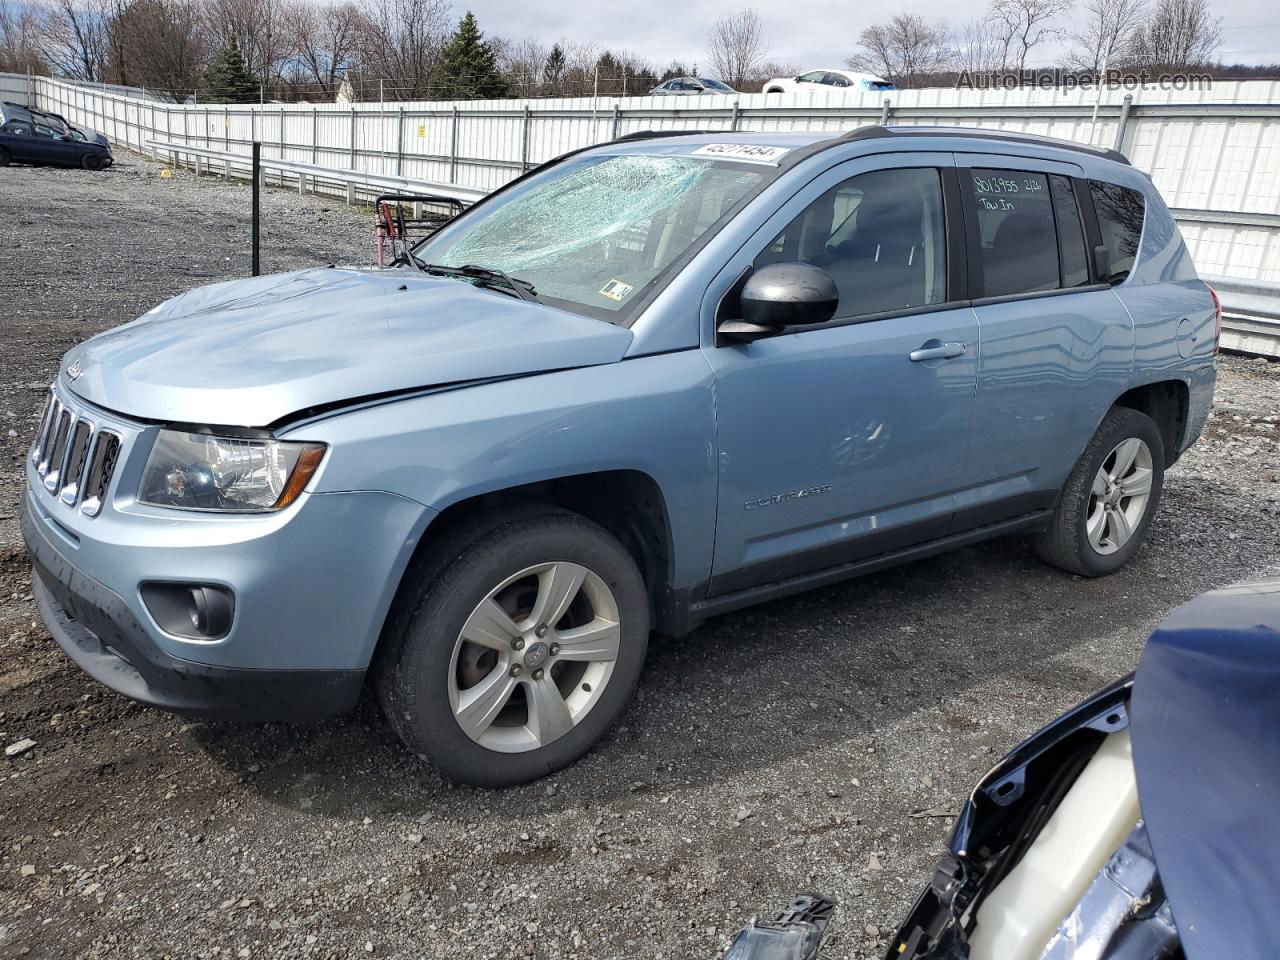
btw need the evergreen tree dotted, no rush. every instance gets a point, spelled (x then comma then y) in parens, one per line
(554, 69)
(468, 67)
(228, 80)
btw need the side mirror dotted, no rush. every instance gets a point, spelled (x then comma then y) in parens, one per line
(782, 295)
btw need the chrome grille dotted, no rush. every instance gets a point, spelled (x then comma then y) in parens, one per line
(106, 451)
(74, 459)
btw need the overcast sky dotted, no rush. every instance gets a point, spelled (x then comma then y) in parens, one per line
(814, 33)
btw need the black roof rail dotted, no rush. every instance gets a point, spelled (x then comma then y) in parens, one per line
(981, 133)
(657, 134)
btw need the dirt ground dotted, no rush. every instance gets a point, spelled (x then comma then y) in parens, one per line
(814, 743)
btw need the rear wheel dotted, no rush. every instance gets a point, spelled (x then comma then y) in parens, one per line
(515, 647)
(1110, 498)
(91, 161)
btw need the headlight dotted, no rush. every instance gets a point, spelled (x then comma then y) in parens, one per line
(200, 472)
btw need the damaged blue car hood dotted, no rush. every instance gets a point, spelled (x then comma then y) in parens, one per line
(251, 352)
(1205, 718)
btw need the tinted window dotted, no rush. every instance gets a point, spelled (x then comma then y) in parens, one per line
(879, 235)
(1015, 219)
(1120, 212)
(17, 129)
(43, 131)
(1071, 245)
(835, 80)
(813, 76)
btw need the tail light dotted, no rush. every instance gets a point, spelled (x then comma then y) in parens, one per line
(1217, 320)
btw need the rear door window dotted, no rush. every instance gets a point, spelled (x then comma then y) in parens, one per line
(1016, 226)
(1120, 213)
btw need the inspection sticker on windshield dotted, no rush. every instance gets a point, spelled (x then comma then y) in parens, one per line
(616, 290)
(746, 152)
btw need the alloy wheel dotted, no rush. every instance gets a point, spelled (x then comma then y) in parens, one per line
(534, 657)
(1119, 496)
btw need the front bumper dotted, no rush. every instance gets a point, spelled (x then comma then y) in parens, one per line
(95, 627)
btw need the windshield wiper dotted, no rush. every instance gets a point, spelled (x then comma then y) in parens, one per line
(490, 277)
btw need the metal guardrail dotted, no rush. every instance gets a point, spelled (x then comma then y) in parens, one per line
(306, 175)
(1250, 315)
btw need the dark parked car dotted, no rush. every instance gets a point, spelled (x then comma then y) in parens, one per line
(61, 124)
(1140, 824)
(31, 136)
(692, 87)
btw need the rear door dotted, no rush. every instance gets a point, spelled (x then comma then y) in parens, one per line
(835, 443)
(1057, 345)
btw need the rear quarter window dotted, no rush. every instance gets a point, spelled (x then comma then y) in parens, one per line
(1120, 213)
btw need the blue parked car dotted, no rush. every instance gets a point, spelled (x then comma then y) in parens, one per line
(650, 382)
(33, 136)
(1141, 824)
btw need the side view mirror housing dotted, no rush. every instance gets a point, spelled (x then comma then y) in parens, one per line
(781, 295)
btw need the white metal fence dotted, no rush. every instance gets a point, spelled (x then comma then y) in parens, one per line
(1214, 154)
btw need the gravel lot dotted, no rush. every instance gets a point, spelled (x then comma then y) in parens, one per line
(812, 743)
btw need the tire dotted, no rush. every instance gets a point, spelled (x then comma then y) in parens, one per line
(4, 157)
(427, 675)
(91, 161)
(1087, 534)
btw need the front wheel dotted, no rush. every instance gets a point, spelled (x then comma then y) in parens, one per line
(515, 647)
(91, 161)
(1110, 498)
(4, 157)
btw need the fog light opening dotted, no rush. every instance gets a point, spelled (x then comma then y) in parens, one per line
(193, 611)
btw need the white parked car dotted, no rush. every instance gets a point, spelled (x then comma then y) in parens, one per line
(830, 79)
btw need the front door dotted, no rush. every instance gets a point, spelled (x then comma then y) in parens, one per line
(846, 440)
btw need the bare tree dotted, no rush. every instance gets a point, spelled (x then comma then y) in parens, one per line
(158, 44)
(1106, 34)
(75, 37)
(979, 49)
(735, 46)
(401, 40)
(522, 62)
(906, 49)
(326, 38)
(1179, 34)
(260, 29)
(1023, 25)
(21, 32)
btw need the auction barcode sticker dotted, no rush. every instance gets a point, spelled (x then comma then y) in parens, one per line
(746, 152)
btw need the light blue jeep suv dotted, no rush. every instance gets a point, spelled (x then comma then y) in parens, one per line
(647, 383)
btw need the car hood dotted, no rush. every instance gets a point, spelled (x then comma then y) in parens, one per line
(252, 352)
(1204, 715)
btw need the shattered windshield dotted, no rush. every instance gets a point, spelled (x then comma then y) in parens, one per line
(597, 231)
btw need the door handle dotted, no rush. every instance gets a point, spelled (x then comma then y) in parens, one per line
(938, 351)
